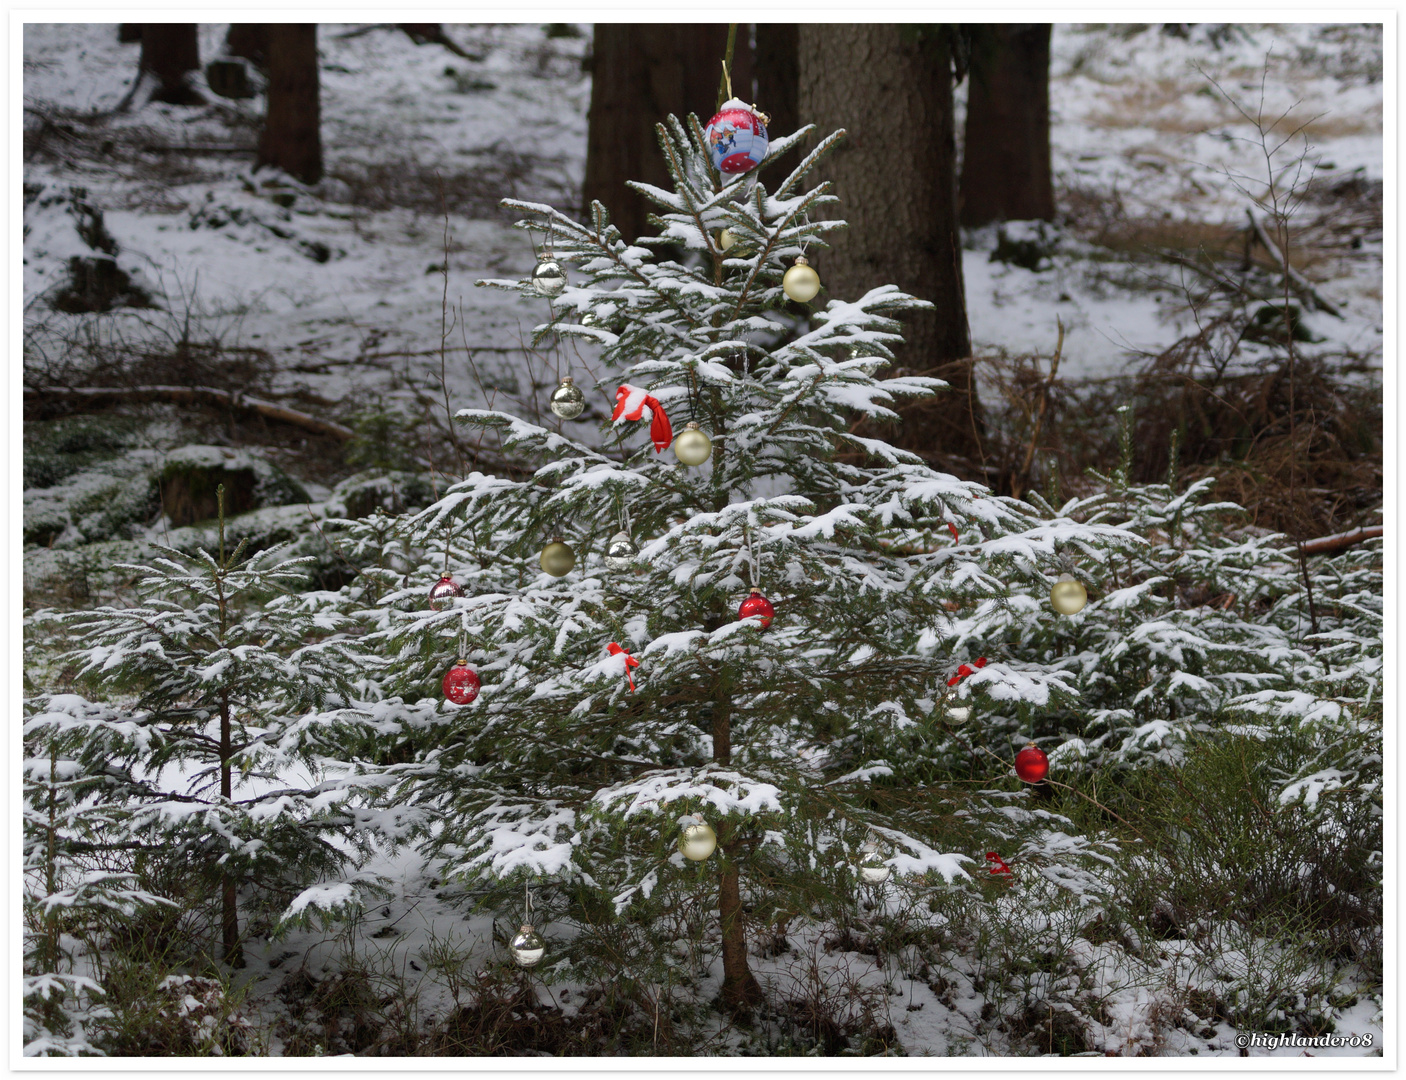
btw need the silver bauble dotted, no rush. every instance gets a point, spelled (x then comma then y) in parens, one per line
(1068, 596)
(800, 283)
(567, 401)
(959, 714)
(697, 841)
(692, 446)
(621, 552)
(873, 869)
(548, 277)
(527, 947)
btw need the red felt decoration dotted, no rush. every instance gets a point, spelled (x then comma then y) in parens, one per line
(1031, 764)
(954, 532)
(757, 604)
(630, 662)
(461, 684)
(631, 401)
(965, 670)
(999, 869)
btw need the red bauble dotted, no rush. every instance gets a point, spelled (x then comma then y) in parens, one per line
(1031, 764)
(444, 589)
(461, 684)
(757, 604)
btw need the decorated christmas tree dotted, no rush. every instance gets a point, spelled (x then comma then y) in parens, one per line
(727, 663)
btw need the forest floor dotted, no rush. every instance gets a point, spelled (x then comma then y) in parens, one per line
(353, 302)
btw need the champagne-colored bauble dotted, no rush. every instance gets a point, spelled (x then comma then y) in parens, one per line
(621, 552)
(801, 283)
(959, 714)
(442, 593)
(567, 401)
(527, 947)
(726, 239)
(548, 278)
(558, 558)
(698, 841)
(691, 446)
(873, 869)
(1068, 596)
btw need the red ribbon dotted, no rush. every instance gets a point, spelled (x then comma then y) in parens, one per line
(660, 430)
(1000, 869)
(965, 670)
(630, 662)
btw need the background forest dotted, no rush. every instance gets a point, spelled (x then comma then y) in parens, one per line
(1096, 301)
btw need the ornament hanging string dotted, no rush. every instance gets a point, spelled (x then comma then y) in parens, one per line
(527, 902)
(752, 558)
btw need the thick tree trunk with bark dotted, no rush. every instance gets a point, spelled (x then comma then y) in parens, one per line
(890, 88)
(170, 52)
(640, 73)
(777, 70)
(292, 139)
(1006, 162)
(249, 41)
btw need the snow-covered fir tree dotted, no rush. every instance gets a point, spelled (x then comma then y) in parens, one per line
(788, 739)
(228, 684)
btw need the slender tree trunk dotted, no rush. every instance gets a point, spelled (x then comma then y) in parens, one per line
(170, 52)
(292, 139)
(1006, 160)
(890, 88)
(641, 73)
(740, 987)
(229, 893)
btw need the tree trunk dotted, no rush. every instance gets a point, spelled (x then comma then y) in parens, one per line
(890, 88)
(292, 139)
(777, 70)
(231, 950)
(170, 52)
(640, 73)
(1006, 161)
(740, 987)
(249, 41)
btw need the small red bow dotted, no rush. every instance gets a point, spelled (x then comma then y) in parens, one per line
(1000, 869)
(631, 401)
(965, 670)
(630, 662)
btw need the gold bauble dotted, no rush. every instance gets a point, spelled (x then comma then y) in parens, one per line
(801, 283)
(697, 841)
(1068, 596)
(692, 446)
(558, 558)
(726, 239)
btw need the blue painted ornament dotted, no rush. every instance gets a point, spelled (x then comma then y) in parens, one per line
(736, 138)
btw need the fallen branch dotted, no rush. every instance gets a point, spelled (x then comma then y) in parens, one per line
(1328, 545)
(196, 395)
(1299, 282)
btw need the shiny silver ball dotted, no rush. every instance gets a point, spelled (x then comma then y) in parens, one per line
(548, 278)
(527, 947)
(567, 401)
(621, 552)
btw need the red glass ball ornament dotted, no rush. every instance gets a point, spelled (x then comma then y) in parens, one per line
(757, 604)
(1031, 764)
(461, 684)
(446, 588)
